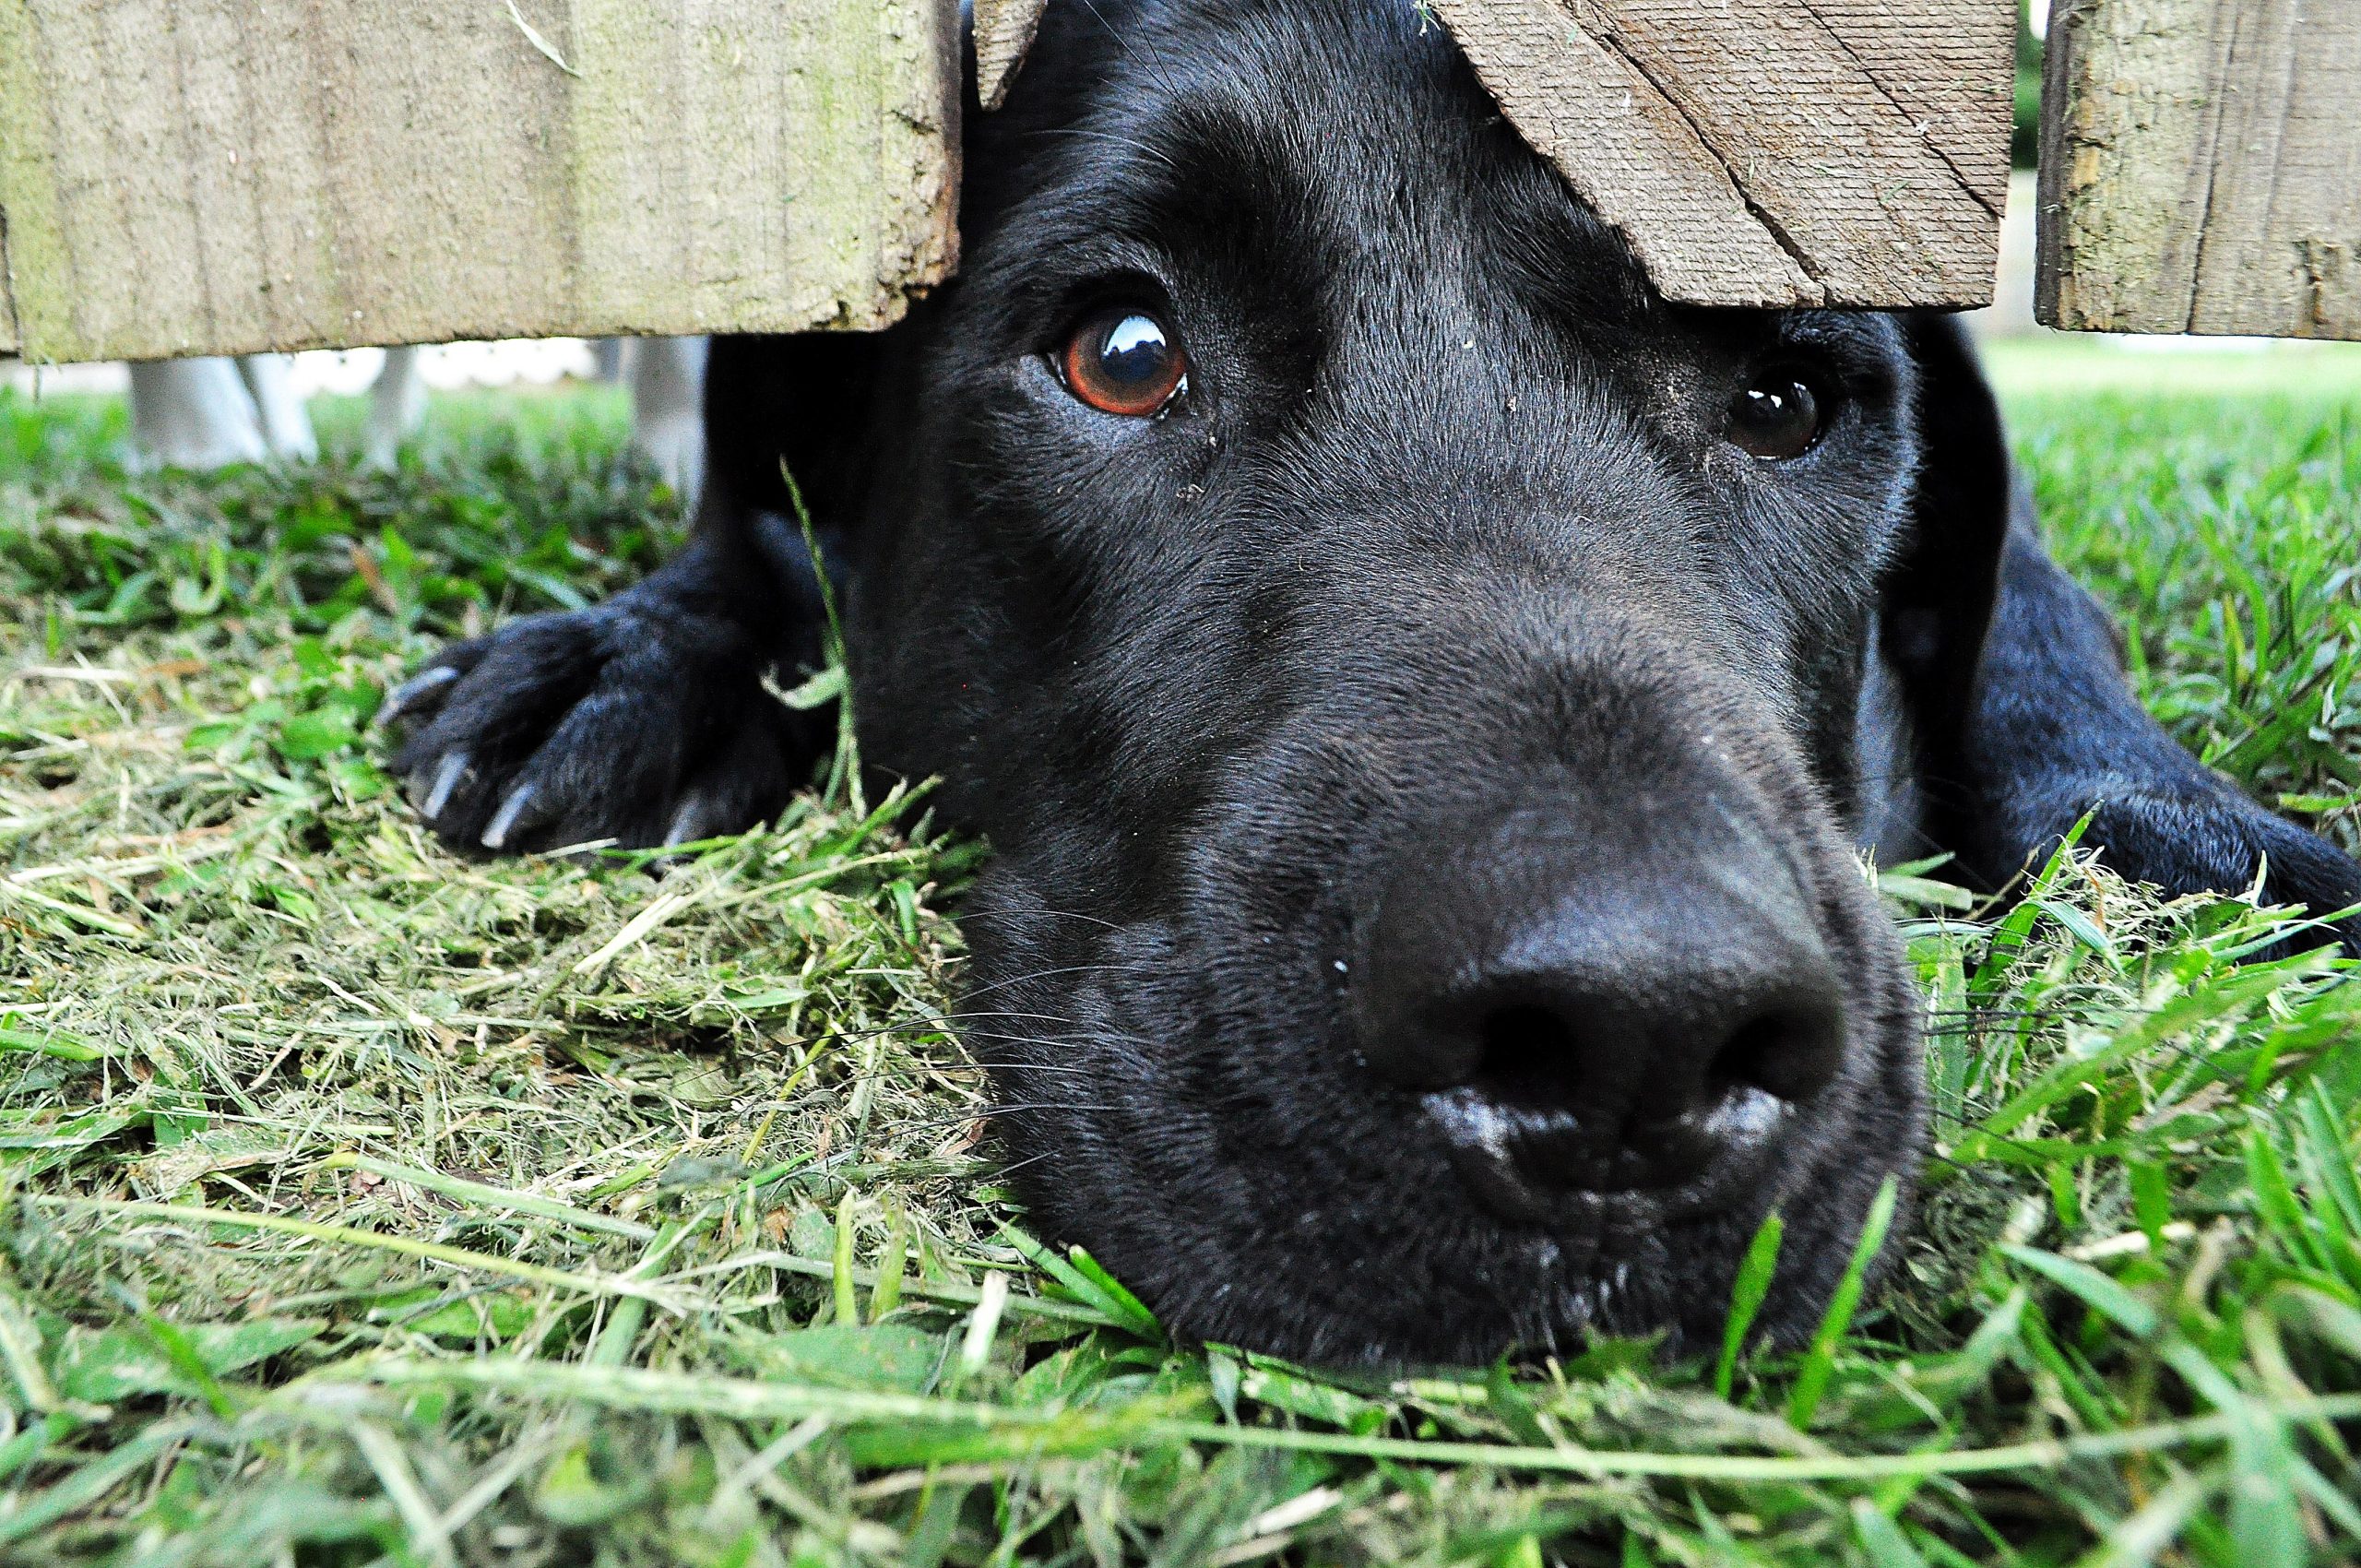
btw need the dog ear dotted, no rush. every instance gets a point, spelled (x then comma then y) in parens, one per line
(1939, 594)
(804, 405)
(799, 404)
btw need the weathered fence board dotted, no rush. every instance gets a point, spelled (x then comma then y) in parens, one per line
(228, 175)
(1770, 151)
(1004, 30)
(1777, 152)
(2201, 167)
(7, 308)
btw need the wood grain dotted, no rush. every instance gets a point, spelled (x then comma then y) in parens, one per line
(212, 176)
(1779, 152)
(1004, 30)
(1755, 152)
(7, 305)
(2201, 168)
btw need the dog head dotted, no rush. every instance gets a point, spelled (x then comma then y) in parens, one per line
(1410, 676)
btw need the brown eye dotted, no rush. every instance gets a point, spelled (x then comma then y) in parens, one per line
(1124, 362)
(1776, 416)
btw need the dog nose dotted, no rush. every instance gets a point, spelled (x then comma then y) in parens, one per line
(1579, 1017)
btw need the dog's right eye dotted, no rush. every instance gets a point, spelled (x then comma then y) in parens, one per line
(1778, 415)
(1123, 361)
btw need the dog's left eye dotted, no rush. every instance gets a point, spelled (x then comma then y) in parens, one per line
(1123, 361)
(1778, 415)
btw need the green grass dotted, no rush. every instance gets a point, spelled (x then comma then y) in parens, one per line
(365, 1205)
(2213, 502)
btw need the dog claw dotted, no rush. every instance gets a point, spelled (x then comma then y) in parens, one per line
(688, 823)
(504, 821)
(446, 779)
(398, 700)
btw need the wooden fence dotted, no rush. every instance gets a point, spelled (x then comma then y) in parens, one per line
(215, 177)
(211, 176)
(2201, 167)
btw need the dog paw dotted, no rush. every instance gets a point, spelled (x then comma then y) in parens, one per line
(2211, 840)
(643, 724)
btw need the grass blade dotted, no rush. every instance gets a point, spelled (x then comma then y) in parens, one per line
(435, 1251)
(1752, 1283)
(498, 1197)
(2090, 1287)
(1819, 1360)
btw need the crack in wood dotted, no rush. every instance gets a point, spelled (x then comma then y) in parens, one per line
(2201, 168)
(2208, 157)
(11, 330)
(1943, 153)
(1778, 232)
(1919, 247)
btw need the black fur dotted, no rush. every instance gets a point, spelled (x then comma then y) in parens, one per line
(1437, 606)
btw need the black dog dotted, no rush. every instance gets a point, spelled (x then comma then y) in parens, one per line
(1424, 690)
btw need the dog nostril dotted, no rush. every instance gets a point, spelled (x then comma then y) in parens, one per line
(1528, 1059)
(1538, 1057)
(1791, 1053)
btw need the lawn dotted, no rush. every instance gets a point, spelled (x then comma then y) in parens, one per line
(359, 1204)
